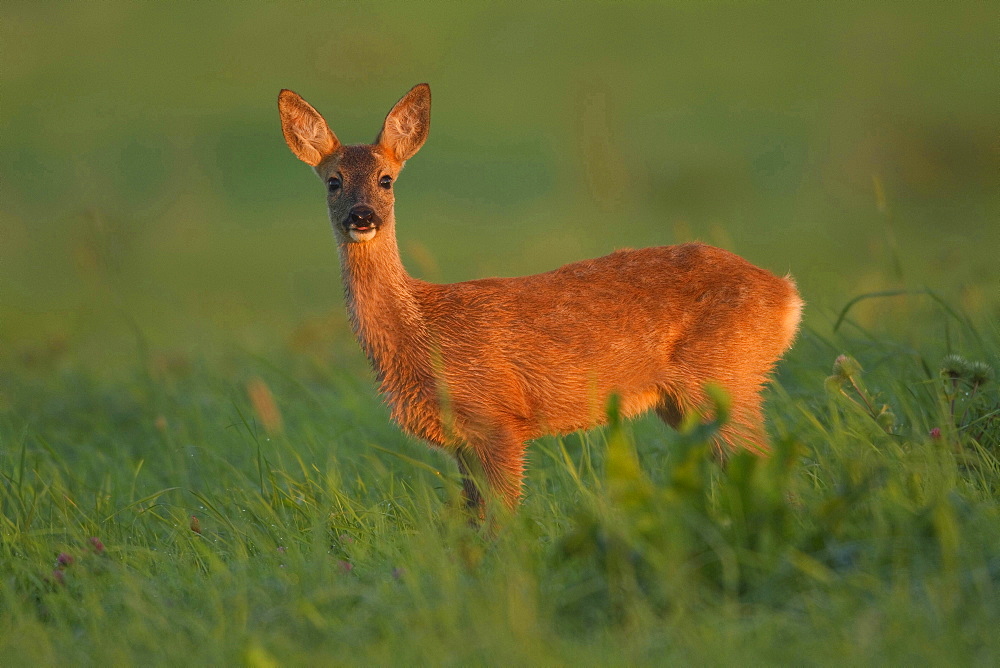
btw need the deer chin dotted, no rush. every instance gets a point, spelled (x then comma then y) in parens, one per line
(362, 234)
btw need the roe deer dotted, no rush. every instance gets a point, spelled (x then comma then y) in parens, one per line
(480, 367)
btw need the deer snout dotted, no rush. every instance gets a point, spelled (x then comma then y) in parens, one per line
(361, 216)
(362, 222)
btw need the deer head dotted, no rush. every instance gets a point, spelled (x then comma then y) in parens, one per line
(359, 178)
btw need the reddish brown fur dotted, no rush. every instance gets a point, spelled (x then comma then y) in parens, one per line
(483, 366)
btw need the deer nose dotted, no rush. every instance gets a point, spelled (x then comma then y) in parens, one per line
(361, 214)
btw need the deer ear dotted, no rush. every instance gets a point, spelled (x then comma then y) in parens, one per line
(406, 127)
(306, 133)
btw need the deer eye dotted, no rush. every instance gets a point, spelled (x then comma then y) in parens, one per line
(333, 183)
(385, 182)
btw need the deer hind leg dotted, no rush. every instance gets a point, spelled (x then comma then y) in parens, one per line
(744, 429)
(670, 412)
(673, 411)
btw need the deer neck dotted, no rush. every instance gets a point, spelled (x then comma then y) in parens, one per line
(384, 310)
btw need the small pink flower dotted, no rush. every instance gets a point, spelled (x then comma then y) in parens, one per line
(345, 538)
(96, 543)
(936, 433)
(58, 577)
(345, 566)
(64, 559)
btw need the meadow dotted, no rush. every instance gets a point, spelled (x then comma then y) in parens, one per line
(194, 465)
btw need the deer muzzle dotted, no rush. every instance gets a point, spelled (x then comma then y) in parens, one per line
(362, 223)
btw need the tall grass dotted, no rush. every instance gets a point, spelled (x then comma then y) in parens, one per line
(169, 517)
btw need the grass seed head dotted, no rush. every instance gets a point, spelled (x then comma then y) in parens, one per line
(886, 419)
(980, 373)
(846, 367)
(264, 406)
(954, 367)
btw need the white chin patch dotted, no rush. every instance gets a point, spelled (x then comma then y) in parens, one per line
(358, 235)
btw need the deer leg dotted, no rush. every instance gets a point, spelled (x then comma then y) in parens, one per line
(471, 496)
(503, 465)
(744, 429)
(670, 412)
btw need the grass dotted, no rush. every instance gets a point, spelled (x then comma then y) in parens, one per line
(176, 516)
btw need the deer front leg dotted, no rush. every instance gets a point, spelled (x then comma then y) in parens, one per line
(503, 464)
(471, 496)
(500, 462)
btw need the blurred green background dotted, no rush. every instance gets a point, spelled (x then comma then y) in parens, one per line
(147, 199)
